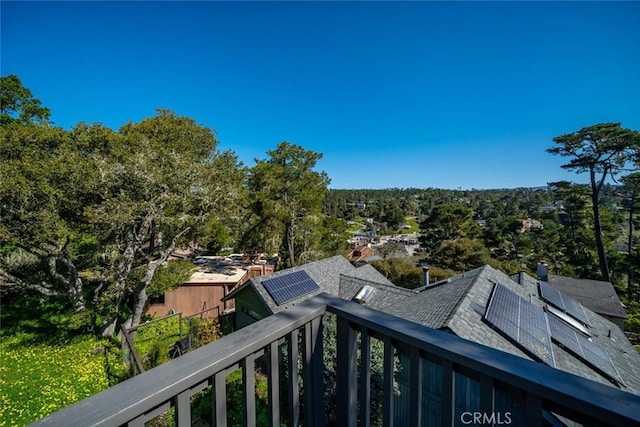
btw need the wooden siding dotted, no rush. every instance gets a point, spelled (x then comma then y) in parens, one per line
(192, 298)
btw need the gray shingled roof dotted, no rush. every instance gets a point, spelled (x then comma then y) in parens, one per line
(384, 297)
(326, 273)
(594, 294)
(435, 304)
(460, 311)
(457, 305)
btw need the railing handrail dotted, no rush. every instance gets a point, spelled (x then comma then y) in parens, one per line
(141, 394)
(121, 403)
(606, 403)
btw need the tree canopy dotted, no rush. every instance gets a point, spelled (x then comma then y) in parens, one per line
(18, 105)
(602, 150)
(287, 191)
(79, 206)
(447, 222)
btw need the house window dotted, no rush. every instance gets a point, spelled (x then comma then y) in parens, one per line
(254, 315)
(158, 299)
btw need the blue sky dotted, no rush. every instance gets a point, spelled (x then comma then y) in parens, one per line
(418, 94)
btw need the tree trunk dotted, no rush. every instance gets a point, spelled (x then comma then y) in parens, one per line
(70, 279)
(595, 202)
(290, 244)
(135, 234)
(138, 310)
(630, 249)
(141, 298)
(108, 327)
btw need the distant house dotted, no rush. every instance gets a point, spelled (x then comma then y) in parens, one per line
(482, 223)
(555, 206)
(216, 277)
(361, 254)
(527, 318)
(528, 224)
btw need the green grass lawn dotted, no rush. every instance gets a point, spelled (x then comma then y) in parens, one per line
(413, 223)
(353, 229)
(153, 341)
(45, 365)
(37, 379)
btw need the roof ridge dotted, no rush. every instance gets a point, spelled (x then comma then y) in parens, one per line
(367, 281)
(465, 294)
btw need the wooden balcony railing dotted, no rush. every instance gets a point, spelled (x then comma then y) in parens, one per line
(428, 378)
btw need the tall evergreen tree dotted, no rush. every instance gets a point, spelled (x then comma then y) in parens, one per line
(603, 150)
(287, 190)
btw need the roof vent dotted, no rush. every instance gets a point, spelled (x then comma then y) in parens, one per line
(543, 272)
(363, 294)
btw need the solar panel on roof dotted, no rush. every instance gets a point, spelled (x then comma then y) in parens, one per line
(567, 319)
(581, 347)
(551, 295)
(574, 308)
(290, 286)
(563, 302)
(523, 322)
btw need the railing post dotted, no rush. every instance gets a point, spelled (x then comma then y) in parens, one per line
(183, 404)
(346, 373)
(183, 409)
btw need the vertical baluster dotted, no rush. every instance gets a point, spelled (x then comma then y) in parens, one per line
(249, 390)
(388, 393)
(347, 375)
(294, 404)
(487, 395)
(273, 371)
(365, 378)
(533, 410)
(141, 420)
(317, 370)
(183, 409)
(448, 390)
(220, 406)
(415, 388)
(307, 377)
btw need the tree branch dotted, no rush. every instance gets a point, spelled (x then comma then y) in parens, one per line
(43, 289)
